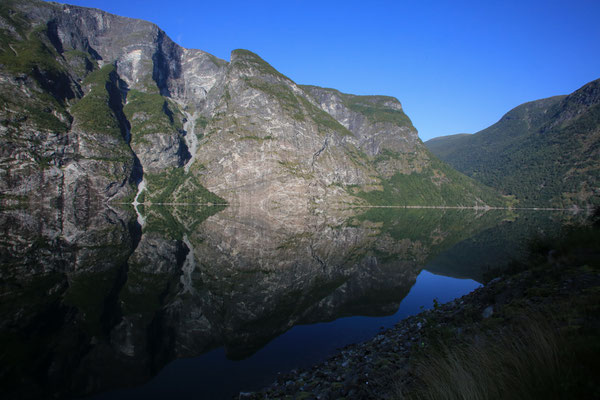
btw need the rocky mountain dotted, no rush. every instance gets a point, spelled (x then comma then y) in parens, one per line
(99, 108)
(546, 152)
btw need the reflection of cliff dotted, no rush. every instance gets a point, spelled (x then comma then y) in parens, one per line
(106, 305)
(59, 281)
(499, 244)
(255, 281)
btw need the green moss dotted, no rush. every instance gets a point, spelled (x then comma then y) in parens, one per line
(375, 108)
(94, 112)
(38, 110)
(298, 107)
(282, 93)
(202, 122)
(323, 120)
(32, 55)
(151, 113)
(80, 62)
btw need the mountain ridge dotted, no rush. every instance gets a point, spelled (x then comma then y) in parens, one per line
(105, 103)
(544, 152)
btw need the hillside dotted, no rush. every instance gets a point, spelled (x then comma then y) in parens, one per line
(99, 108)
(544, 152)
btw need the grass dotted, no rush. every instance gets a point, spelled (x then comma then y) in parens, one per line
(298, 107)
(323, 119)
(282, 93)
(151, 113)
(32, 55)
(526, 362)
(88, 291)
(95, 112)
(437, 185)
(373, 108)
(296, 169)
(80, 62)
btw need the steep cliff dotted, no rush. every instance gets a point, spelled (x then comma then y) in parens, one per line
(104, 108)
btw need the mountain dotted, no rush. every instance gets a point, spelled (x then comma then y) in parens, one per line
(545, 152)
(100, 108)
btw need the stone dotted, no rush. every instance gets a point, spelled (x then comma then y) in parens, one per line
(487, 312)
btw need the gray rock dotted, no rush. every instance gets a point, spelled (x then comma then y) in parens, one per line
(487, 312)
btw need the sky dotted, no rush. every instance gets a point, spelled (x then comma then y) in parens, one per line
(456, 66)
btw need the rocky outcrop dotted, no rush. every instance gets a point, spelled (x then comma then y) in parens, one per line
(379, 126)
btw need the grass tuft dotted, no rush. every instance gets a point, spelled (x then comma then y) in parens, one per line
(524, 363)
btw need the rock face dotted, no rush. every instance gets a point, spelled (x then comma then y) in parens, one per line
(545, 152)
(99, 103)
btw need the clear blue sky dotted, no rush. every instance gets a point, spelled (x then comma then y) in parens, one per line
(456, 66)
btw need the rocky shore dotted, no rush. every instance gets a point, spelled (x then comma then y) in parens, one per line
(386, 367)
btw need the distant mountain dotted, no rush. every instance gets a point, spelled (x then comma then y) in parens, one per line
(99, 108)
(545, 152)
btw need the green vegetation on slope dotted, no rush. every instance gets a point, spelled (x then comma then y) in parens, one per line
(88, 292)
(26, 50)
(151, 113)
(436, 185)
(546, 152)
(176, 186)
(377, 109)
(95, 112)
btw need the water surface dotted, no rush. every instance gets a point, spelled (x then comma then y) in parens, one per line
(214, 301)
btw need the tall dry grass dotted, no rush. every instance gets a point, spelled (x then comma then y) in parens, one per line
(522, 363)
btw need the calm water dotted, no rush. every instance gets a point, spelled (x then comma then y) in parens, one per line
(205, 303)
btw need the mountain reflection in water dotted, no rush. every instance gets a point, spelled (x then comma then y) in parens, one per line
(100, 303)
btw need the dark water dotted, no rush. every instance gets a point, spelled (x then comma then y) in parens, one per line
(204, 303)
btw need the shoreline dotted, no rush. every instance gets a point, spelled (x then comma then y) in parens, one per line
(560, 285)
